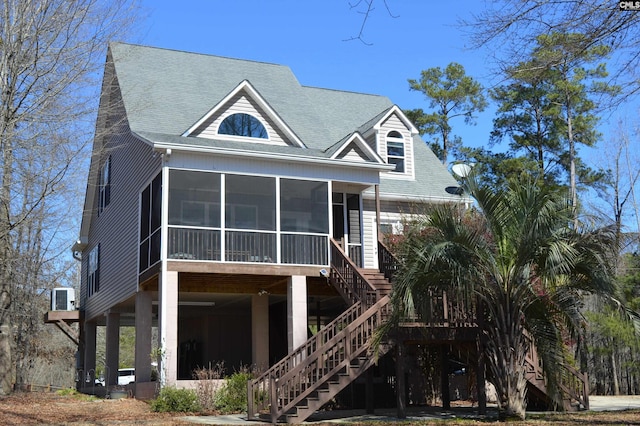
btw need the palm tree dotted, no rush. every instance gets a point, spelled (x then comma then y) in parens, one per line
(518, 254)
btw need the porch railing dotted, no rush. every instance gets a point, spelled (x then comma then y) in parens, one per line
(304, 249)
(192, 243)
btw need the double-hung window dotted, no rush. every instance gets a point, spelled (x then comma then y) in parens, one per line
(396, 151)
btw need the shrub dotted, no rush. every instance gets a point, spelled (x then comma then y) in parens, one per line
(232, 396)
(176, 400)
(208, 383)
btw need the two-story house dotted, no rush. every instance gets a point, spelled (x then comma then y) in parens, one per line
(218, 194)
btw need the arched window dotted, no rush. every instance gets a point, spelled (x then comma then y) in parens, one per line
(395, 151)
(243, 125)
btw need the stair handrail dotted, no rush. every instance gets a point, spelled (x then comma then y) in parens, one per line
(330, 358)
(288, 362)
(346, 277)
(356, 290)
(388, 264)
(574, 385)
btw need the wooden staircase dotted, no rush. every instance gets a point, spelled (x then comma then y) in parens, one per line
(314, 373)
(310, 376)
(574, 386)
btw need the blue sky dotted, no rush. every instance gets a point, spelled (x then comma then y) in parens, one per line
(309, 37)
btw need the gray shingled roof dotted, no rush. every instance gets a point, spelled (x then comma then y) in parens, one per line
(166, 91)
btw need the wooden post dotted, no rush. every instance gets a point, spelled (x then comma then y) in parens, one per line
(369, 395)
(400, 386)
(273, 397)
(444, 377)
(480, 366)
(481, 380)
(377, 192)
(250, 409)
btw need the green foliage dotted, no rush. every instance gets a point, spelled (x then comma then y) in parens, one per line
(549, 105)
(176, 401)
(451, 93)
(75, 394)
(127, 347)
(521, 258)
(232, 396)
(208, 383)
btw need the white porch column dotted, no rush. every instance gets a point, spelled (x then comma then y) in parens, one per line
(296, 311)
(112, 350)
(168, 319)
(260, 331)
(144, 314)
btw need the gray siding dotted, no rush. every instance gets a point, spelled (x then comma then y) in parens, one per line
(133, 164)
(241, 103)
(369, 238)
(390, 124)
(353, 153)
(288, 168)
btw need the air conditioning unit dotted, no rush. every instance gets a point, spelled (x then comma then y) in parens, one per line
(63, 299)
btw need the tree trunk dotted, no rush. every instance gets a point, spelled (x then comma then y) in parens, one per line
(572, 163)
(506, 352)
(614, 374)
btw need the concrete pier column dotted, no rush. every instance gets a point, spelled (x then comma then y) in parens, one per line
(112, 350)
(168, 335)
(144, 318)
(89, 373)
(260, 331)
(296, 311)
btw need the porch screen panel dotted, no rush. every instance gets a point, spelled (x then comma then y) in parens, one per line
(194, 215)
(250, 202)
(304, 222)
(194, 198)
(304, 206)
(150, 215)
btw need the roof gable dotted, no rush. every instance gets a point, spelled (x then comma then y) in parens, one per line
(244, 98)
(355, 148)
(397, 112)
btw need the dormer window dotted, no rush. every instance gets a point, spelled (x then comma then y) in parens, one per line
(395, 151)
(241, 124)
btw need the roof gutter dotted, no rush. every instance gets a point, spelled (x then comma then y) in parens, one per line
(418, 199)
(161, 146)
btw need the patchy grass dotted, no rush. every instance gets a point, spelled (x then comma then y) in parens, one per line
(70, 408)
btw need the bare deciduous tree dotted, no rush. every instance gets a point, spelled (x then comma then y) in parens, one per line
(512, 26)
(51, 52)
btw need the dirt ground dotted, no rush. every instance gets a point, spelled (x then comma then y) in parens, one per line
(39, 408)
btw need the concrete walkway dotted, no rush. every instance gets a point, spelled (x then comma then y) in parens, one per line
(596, 403)
(610, 403)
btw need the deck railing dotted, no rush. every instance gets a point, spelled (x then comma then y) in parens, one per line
(204, 244)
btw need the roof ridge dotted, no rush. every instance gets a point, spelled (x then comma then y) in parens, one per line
(188, 52)
(353, 92)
